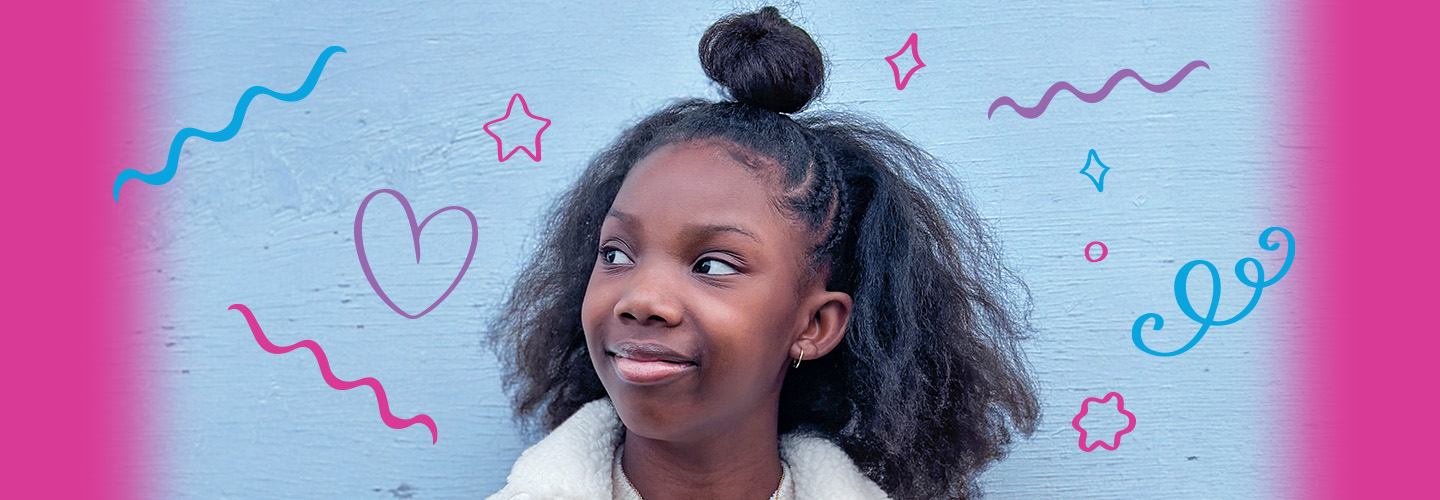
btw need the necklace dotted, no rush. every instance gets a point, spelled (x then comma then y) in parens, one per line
(784, 472)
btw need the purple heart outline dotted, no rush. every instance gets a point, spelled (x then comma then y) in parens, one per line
(415, 230)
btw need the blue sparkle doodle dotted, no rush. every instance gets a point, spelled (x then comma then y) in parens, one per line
(1183, 299)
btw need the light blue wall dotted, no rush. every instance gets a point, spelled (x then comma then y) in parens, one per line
(266, 218)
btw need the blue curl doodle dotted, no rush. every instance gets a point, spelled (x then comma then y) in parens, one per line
(222, 135)
(1183, 298)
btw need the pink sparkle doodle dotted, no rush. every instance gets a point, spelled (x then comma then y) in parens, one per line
(335, 382)
(1034, 111)
(911, 45)
(500, 143)
(1103, 251)
(1085, 409)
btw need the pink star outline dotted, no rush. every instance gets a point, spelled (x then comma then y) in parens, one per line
(911, 45)
(1085, 409)
(500, 143)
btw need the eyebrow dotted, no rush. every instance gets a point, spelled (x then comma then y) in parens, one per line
(694, 230)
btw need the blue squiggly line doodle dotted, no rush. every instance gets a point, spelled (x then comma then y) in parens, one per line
(226, 133)
(1183, 298)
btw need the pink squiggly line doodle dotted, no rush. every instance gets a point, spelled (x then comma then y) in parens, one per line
(1036, 110)
(335, 382)
(1085, 409)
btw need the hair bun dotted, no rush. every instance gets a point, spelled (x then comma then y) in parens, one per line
(763, 60)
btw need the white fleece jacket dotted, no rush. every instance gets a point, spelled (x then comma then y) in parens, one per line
(574, 463)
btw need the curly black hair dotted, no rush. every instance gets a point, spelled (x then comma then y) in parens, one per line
(929, 381)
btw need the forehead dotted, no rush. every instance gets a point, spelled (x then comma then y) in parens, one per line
(701, 181)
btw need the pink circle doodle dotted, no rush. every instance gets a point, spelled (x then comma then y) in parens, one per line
(1103, 251)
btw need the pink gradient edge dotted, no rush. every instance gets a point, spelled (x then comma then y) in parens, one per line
(75, 359)
(1365, 92)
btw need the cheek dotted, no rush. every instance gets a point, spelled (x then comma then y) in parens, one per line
(756, 329)
(588, 306)
(594, 307)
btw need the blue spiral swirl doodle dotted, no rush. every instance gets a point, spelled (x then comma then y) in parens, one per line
(1207, 321)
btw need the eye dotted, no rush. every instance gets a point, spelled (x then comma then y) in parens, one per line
(613, 255)
(714, 267)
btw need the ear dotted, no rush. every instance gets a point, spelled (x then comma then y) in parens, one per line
(829, 313)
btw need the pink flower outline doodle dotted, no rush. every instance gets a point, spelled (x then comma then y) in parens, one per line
(1085, 409)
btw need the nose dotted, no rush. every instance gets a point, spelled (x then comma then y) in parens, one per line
(651, 300)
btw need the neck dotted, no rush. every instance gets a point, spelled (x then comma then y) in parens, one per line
(740, 462)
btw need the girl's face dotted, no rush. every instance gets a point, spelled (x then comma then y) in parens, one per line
(698, 297)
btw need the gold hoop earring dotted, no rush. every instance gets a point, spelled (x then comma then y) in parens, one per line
(802, 356)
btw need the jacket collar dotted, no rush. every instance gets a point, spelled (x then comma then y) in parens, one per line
(574, 463)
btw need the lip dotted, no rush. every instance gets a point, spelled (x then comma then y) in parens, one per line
(647, 363)
(648, 351)
(650, 372)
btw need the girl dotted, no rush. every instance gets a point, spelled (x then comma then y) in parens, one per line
(740, 302)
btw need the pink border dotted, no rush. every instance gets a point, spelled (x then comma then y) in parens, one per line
(1366, 97)
(73, 361)
(74, 366)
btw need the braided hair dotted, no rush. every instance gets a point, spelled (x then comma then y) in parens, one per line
(929, 381)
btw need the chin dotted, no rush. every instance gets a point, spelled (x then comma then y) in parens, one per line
(650, 411)
(654, 418)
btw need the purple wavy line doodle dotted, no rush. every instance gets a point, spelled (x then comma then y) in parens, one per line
(1038, 109)
(414, 233)
(335, 382)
